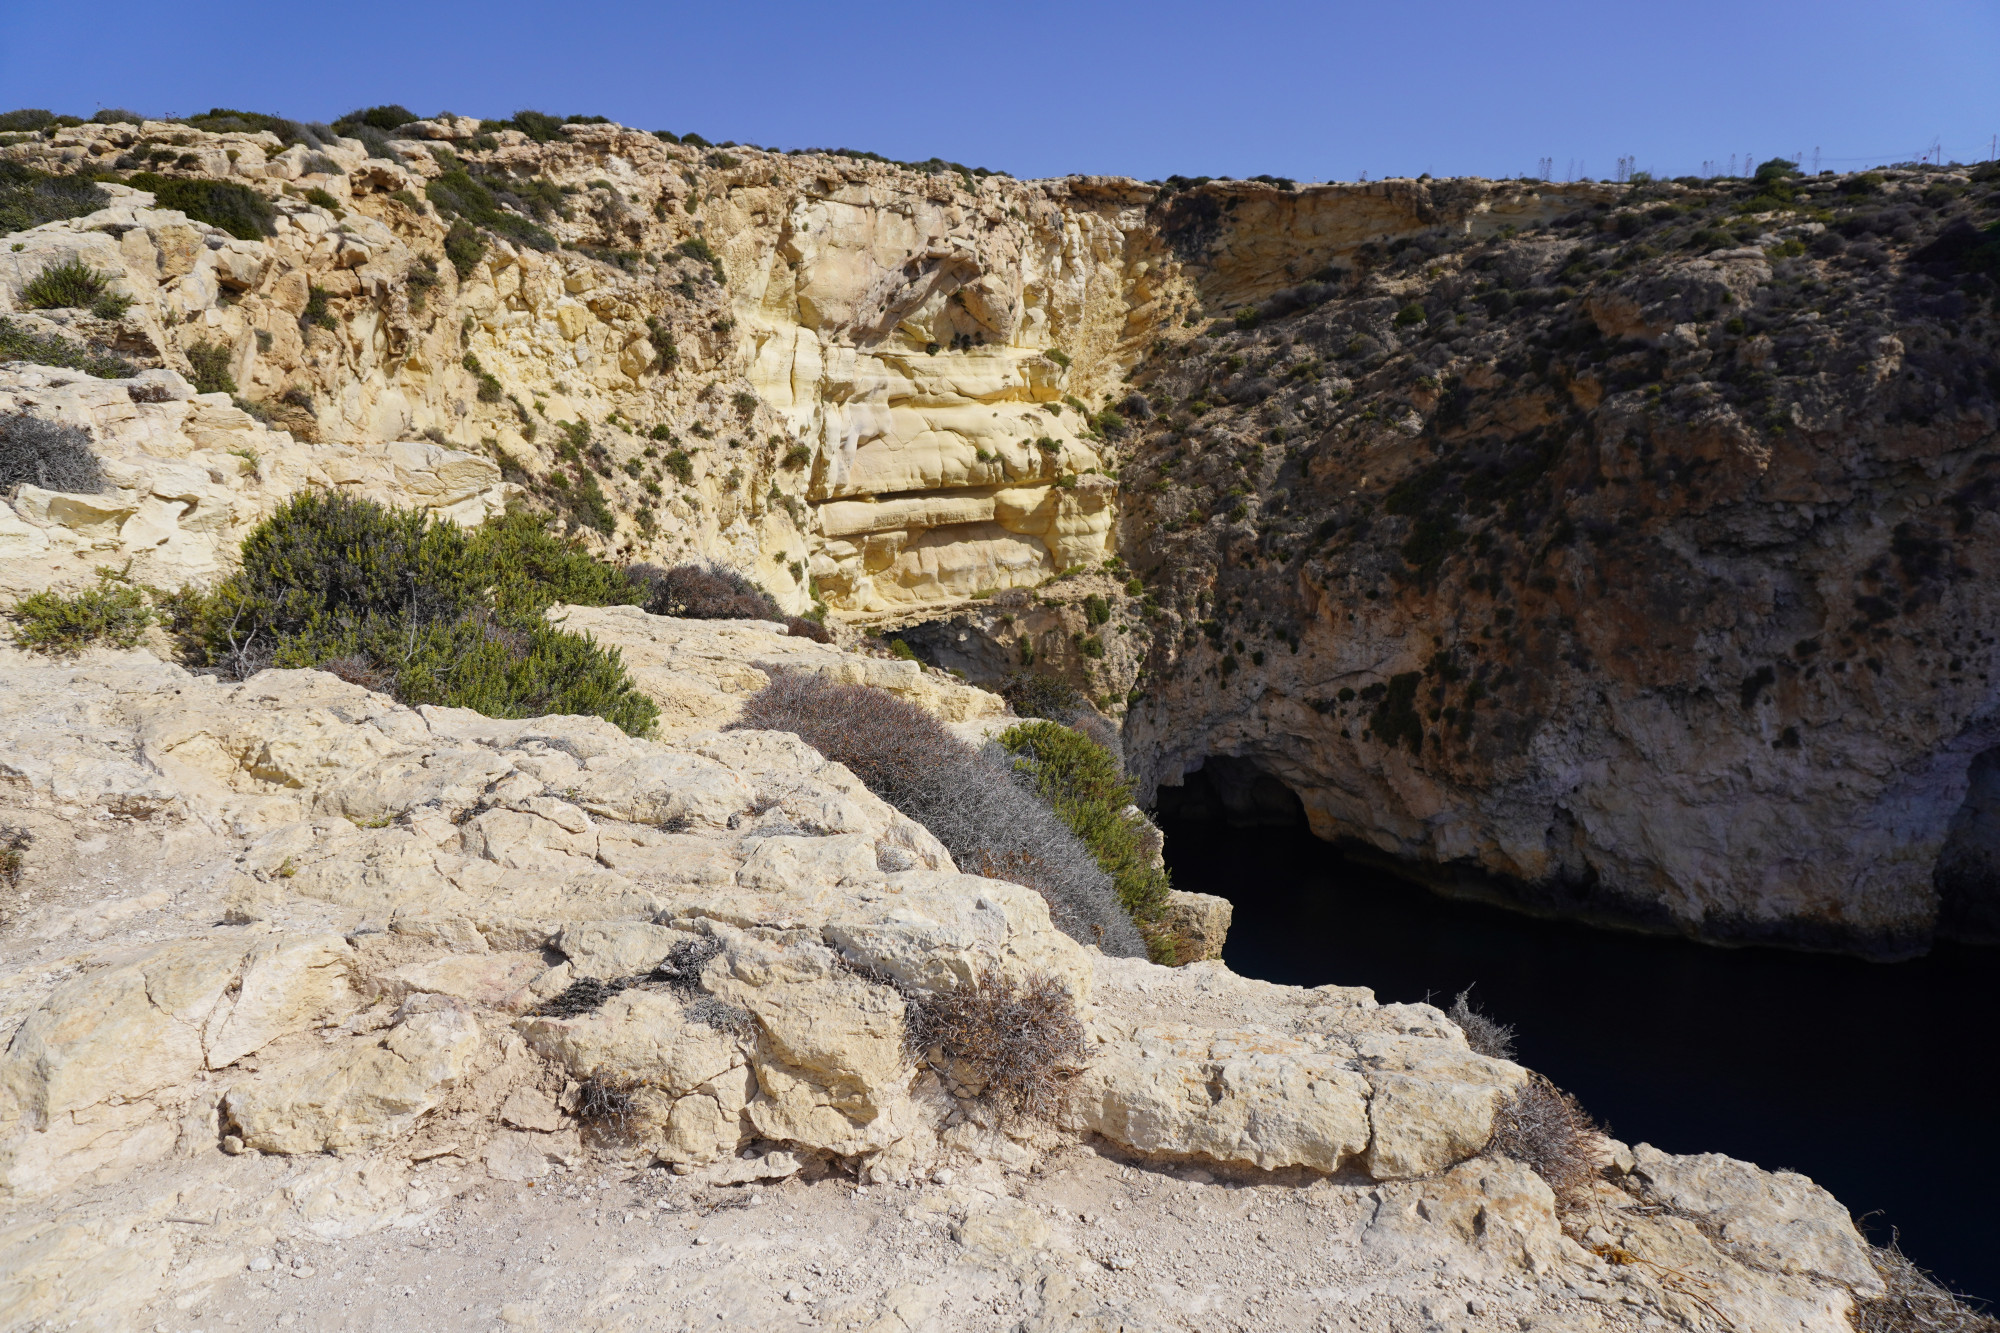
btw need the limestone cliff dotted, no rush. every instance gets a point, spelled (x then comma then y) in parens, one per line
(1615, 549)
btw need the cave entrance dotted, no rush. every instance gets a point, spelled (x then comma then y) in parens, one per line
(1967, 876)
(1234, 791)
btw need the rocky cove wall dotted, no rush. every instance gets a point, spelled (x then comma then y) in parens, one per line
(1707, 649)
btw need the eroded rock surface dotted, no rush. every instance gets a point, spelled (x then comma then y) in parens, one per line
(339, 992)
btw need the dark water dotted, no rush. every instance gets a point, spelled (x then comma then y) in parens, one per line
(1880, 1081)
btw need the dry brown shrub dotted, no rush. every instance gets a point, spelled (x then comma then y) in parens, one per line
(1023, 1041)
(976, 804)
(703, 592)
(1485, 1034)
(801, 628)
(1544, 1128)
(605, 1104)
(1916, 1302)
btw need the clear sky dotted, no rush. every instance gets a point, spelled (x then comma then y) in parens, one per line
(1312, 91)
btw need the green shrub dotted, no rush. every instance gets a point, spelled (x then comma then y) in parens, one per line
(527, 569)
(441, 616)
(237, 209)
(1096, 610)
(28, 198)
(901, 651)
(316, 314)
(682, 466)
(798, 456)
(464, 247)
(18, 344)
(536, 125)
(27, 118)
(1058, 356)
(697, 247)
(322, 198)
(1413, 313)
(457, 195)
(113, 612)
(208, 365)
(1083, 783)
(662, 339)
(72, 284)
(490, 390)
(386, 117)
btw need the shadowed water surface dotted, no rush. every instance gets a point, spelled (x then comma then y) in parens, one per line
(1880, 1081)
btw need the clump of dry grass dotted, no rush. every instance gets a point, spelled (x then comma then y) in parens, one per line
(1019, 1044)
(1916, 1302)
(1484, 1033)
(1544, 1128)
(604, 1103)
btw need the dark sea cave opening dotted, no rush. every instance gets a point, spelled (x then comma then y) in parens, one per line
(1878, 1080)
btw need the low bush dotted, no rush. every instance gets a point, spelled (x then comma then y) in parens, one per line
(1483, 1033)
(18, 344)
(237, 209)
(1543, 1127)
(113, 612)
(50, 454)
(28, 198)
(390, 116)
(71, 284)
(223, 120)
(389, 595)
(208, 368)
(27, 118)
(1019, 1045)
(704, 592)
(973, 801)
(1085, 784)
(799, 627)
(458, 195)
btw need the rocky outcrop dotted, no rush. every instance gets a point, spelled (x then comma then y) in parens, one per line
(189, 475)
(375, 941)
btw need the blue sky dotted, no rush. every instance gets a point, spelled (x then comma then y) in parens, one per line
(1312, 91)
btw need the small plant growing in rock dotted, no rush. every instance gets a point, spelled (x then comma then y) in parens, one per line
(1483, 1033)
(112, 612)
(1019, 1044)
(1914, 1301)
(1544, 1128)
(208, 368)
(14, 844)
(49, 454)
(73, 284)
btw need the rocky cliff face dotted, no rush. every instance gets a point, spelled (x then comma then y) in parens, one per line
(1617, 550)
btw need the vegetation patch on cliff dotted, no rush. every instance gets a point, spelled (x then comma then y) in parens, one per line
(1085, 785)
(419, 609)
(984, 813)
